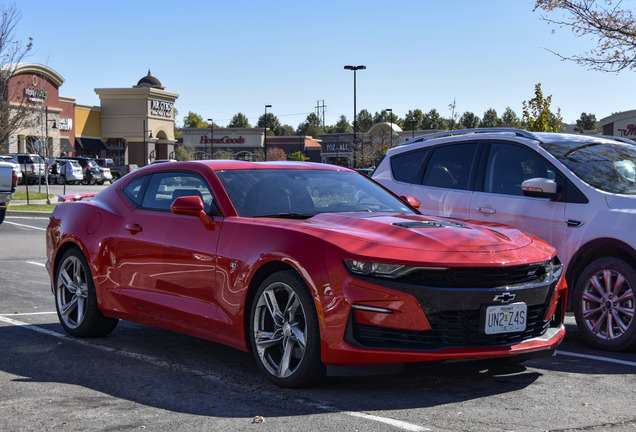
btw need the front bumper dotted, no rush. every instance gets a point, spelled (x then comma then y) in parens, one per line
(390, 322)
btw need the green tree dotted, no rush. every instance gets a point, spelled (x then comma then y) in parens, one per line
(585, 122)
(286, 130)
(298, 156)
(239, 121)
(413, 120)
(469, 120)
(342, 126)
(183, 154)
(270, 121)
(537, 116)
(510, 119)
(311, 126)
(490, 119)
(364, 120)
(452, 121)
(193, 120)
(613, 29)
(433, 120)
(15, 110)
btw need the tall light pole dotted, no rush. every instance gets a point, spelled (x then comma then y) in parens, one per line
(265, 142)
(355, 120)
(211, 138)
(390, 111)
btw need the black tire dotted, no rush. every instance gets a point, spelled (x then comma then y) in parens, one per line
(76, 300)
(603, 302)
(284, 333)
(3, 213)
(60, 180)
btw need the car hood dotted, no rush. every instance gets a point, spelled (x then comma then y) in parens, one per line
(422, 233)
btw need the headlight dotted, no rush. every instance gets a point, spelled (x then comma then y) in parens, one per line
(366, 268)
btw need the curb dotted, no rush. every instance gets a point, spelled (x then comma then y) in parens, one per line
(31, 214)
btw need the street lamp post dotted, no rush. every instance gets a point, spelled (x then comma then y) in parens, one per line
(355, 120)
(211, 138)
(390, 111)
(265, 141)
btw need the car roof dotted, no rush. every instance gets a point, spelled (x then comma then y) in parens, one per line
(228, 164)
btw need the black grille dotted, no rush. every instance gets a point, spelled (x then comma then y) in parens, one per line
(474, 277)
(449, 329)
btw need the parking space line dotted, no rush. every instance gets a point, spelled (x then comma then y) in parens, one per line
(36, 263)
(29, 313)
(213, 378)
(599, 358)
(23, 225)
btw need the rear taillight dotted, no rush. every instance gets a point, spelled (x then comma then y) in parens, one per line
(14, 180)
(129, 170)
(32, 168)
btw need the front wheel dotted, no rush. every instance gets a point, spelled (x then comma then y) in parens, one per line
(603, 302)
(284, 332)
(76, 300)
(60, 180)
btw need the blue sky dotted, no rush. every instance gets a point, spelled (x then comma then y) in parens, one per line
(230, 56)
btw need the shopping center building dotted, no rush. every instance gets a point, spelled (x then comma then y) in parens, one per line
(132, 125)
(136, 124)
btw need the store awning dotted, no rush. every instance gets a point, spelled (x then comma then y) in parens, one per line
(89, 143)
(65, 146)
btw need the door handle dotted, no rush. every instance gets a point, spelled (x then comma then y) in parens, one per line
(133, 228)
(486, 210)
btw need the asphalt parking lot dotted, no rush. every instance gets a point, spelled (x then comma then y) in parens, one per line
(143, 378)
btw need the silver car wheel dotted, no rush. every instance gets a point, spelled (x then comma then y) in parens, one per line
(607, 304)
(72, 292)
(280, 330)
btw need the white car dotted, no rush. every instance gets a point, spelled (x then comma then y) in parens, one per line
(576, 192)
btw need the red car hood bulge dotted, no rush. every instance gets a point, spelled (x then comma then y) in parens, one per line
(422, 233)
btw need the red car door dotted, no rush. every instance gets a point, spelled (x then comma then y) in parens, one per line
(166, 263)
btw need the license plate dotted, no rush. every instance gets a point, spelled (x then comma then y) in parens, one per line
(505, 318)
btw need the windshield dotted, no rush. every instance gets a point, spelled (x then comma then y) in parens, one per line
(610, 167)
(305, 193)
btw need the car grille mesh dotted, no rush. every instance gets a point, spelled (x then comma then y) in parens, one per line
(474, 277)
(449, 330)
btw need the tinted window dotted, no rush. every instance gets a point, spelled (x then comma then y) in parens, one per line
(510, 165)
(406, 167)
(164, 187)
(134, 190)
(450, 166)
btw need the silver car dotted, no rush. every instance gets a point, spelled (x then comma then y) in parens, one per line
(70, 171)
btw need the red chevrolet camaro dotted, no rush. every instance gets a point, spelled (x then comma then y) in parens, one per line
(305, 265)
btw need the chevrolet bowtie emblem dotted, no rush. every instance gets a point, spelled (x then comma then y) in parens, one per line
(505, 297)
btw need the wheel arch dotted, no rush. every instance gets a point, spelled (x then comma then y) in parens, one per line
(260, 275)
(598, 248)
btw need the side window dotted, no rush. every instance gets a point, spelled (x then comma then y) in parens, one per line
(134, 190)
(450, 166)
(164, 187)
(509, 165)
(406, 167)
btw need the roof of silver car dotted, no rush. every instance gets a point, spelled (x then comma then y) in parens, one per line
(540, 137)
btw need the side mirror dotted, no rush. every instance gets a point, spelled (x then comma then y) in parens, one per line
(540, 188)
(412, 201)
(191, 206)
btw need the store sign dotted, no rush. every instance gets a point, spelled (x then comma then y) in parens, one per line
(162, 109)
(35, 95)
(336, 147)
(65, 124)
(223, 140)
(631, 130)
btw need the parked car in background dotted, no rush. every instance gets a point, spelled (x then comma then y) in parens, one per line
(32, 165)
(304, 265)
(8, 183)
(117, 171)
(576, 192)
(90, 170)
(69, 171)
(156, 161)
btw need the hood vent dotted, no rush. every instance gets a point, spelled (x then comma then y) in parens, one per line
(429, 224)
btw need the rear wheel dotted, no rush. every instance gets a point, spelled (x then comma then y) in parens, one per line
(76, 300)
(603, 302)
(60, 180)
(3, 213)
(284, 332)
